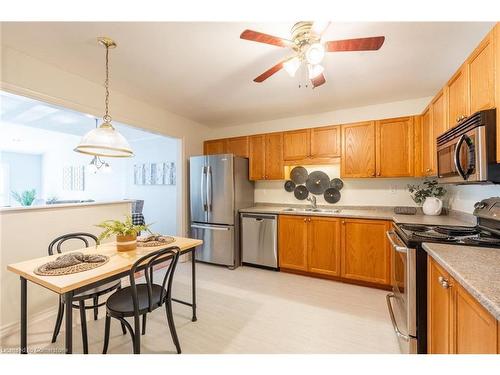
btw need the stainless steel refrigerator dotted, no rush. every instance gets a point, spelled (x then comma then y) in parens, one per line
(219, 187)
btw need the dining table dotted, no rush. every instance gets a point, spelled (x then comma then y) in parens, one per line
(117, 267)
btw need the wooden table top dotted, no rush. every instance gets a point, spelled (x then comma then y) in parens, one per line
(118, 262)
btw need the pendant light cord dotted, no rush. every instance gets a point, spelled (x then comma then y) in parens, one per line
(107, 117)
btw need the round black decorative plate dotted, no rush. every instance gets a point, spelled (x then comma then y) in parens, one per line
(318, 182)
(301, 192)
(337, 183)
(332, 195)
(298, 175)
(289, 186)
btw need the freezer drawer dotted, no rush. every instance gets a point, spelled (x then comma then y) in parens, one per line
(259, 240)
(218, 244)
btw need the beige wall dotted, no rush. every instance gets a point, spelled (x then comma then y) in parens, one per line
(25, 234)
(24, 75)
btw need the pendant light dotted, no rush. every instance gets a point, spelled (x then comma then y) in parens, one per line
(105, 140)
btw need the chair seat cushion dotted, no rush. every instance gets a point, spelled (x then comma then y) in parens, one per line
(89, 293)
(121, 303)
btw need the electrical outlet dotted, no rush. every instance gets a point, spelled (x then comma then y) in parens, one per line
(394, 189)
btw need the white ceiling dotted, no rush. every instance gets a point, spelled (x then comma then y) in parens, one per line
(203, 71)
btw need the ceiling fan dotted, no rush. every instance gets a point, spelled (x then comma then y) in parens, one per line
(309, 48)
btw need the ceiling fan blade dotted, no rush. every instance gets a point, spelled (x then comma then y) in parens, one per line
(318, 81)
(269, 72)
(360, 44)
(265, 38)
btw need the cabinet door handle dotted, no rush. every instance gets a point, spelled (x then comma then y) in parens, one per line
(305, 220)
(428, 170)
(444, 282)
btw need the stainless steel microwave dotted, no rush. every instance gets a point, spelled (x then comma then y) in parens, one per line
(466, 153)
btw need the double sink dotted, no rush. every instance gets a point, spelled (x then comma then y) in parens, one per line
(305, 210)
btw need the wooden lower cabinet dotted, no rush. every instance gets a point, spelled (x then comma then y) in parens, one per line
(457, 323)
(292, 240)
(323, 245)
(316, 245)
(439, 307)
(366, 253)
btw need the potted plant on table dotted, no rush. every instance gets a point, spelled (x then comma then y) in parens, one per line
(428, 195)
(125, 231)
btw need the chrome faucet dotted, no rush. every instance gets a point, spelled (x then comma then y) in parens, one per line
(312, 199)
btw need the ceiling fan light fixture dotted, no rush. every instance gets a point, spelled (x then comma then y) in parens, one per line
(291, 66)
(315, 70)
(315, 53)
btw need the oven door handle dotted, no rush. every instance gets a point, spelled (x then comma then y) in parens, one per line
(393, 318)
(400, 249)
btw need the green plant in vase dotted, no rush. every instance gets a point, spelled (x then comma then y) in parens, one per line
(125, 231)
(428, 195)
(26, 198)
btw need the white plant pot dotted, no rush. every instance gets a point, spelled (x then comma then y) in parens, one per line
(432, 206)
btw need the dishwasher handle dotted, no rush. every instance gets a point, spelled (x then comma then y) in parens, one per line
(258, 217)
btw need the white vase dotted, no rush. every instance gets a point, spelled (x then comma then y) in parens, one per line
(432, 206)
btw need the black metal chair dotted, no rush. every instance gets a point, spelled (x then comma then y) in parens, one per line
(141, 299)
(90, 294)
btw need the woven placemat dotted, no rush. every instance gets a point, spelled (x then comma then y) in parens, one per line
(152, 241)
(71, 263)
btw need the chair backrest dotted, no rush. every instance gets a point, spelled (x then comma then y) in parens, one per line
(146, 263)
(84, 237)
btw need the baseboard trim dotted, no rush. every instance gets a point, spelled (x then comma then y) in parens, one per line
(12, 328)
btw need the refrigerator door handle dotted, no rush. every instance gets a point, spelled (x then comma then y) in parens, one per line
(209, 188)
(203, 195)
(210, 227)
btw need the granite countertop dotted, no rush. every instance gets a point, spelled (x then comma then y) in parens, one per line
(477, 269)
(382, 213)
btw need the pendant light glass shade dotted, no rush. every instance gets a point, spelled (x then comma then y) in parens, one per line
(105, 141)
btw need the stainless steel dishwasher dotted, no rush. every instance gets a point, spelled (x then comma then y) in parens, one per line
(259, 244)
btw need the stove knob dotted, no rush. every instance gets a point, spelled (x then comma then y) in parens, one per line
(479, 205)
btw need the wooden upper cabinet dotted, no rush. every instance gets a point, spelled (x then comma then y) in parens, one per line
(439, 309)
(358, 150)
(325, 142)
(297, 144)
(213, 147)
(458, 97)
(292, 239)
(429, 167)
(237, 146)
(438, 114)
(481, 66)
(324, 245)
(474, 328)
(274, 157)
(366, 251)
(257, 154)
(395, 147)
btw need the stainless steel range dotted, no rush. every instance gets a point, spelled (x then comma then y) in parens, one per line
(407, 303)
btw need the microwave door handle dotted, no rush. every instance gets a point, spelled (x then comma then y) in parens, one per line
(472, 155)
(456, 159)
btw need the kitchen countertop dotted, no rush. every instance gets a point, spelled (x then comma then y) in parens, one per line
(382, 213)
(477, 269)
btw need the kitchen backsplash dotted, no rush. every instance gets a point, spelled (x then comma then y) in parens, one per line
(376, 192)
(356, 192)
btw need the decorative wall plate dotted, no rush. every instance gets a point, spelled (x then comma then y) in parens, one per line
(318, 182)
(290, 186)
(337, 183)
(301, 192)
(332, 195)
(298, 175)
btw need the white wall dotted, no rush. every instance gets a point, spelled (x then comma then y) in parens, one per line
(463, 197)
(25, 75)
(160, 201)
